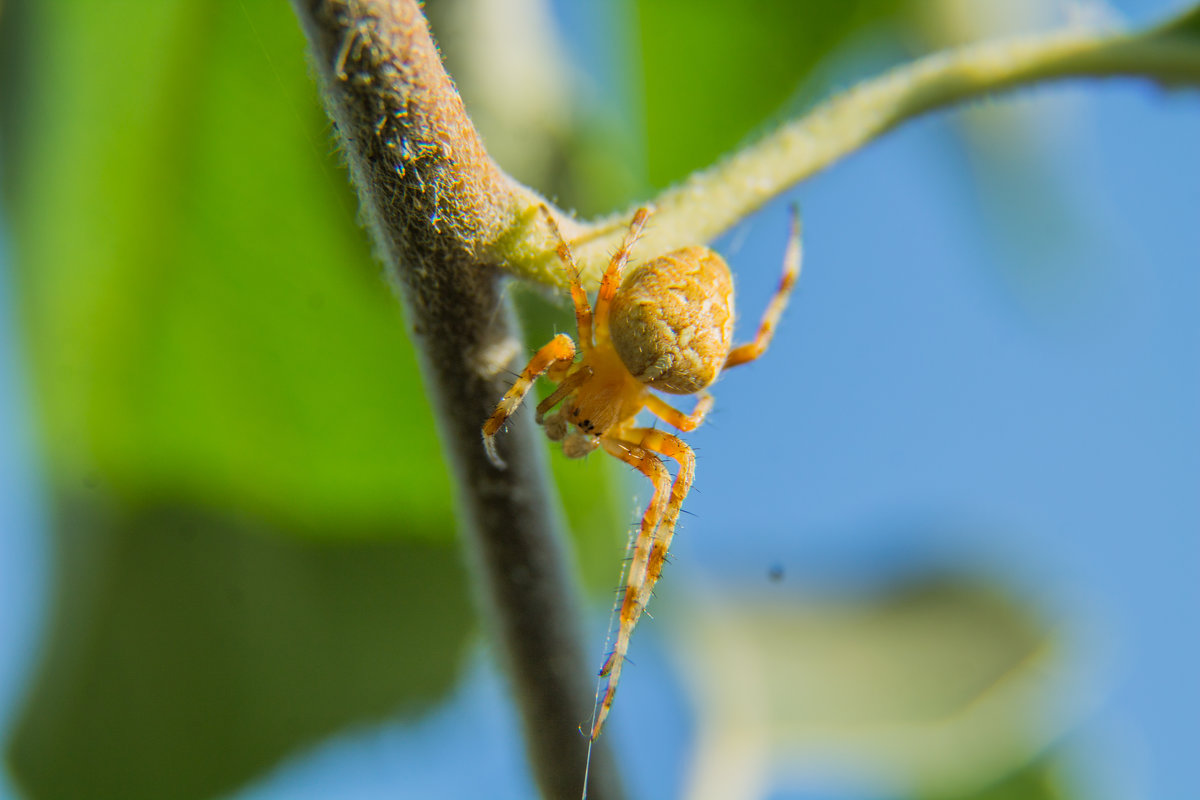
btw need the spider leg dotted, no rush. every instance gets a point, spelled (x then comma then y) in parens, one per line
(633, 602)
(612, 276)
(673, 447)
(569, 385)
(766, 330)
(558, 351)
(673, 416)
(583, 311)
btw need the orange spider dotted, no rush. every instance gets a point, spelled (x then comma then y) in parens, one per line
(668, 325)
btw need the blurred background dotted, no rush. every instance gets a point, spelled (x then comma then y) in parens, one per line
(944, 538)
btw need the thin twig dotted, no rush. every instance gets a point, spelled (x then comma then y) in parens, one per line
(711, 201)
(436, 205)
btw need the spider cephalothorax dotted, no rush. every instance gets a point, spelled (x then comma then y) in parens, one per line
(668, 326)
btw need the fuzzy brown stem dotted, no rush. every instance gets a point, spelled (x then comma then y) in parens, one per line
(436, 205)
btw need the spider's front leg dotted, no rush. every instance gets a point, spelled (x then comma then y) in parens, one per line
(558, 353)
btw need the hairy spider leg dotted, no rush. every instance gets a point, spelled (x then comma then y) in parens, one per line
(560, 349)
(650, 549)
(611, 281)
(676, 418)
(563, 391)
(652, 467)
(746, 353)
(583, 311)
(672, 446)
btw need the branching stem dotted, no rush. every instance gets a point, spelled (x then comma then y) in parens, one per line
(448, 223)
(435, 202)
(713, 200)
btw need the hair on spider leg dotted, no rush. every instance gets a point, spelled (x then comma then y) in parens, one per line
(626, 659)
(666, 563)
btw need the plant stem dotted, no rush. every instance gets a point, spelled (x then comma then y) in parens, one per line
(712, 200)
(436, 204)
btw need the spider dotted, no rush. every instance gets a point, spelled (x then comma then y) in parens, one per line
(667, 326)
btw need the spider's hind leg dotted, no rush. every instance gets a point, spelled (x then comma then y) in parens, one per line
(671, 446)
(654, 538)
(637, 452)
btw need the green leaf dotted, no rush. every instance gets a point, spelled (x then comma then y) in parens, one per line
(206, 318)
(933, 685)
(1038, 780)
(1186, 25)
(191, 651)
(715, 71)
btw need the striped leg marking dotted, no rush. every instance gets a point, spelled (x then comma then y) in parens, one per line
(560, 349)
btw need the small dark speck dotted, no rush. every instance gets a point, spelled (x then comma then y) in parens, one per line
(775, 573)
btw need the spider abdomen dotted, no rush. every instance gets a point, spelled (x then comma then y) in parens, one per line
(672, 320)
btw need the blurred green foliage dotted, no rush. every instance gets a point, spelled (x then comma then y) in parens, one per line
(197, 648)
(713, 72)
(1035, 781)
(206, 321)
(929, 683)
(254, 527)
